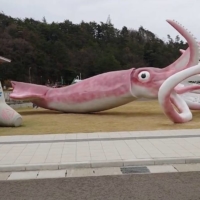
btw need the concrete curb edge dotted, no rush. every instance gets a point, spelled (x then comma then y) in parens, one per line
(114, 163)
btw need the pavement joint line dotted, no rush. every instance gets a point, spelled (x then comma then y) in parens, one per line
(146, 169)
(100, 139)
(98, 164)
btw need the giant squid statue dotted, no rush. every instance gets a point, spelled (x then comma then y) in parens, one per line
(112, 89)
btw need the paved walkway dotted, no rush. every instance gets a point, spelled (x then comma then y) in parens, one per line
(61, 151)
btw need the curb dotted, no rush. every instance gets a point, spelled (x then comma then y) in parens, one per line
(53, 166)
(93, 139)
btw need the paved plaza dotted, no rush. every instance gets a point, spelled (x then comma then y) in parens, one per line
(81, 150)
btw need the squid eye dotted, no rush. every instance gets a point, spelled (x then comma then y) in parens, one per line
(144, 76)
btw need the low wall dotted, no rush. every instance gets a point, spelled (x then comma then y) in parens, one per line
(7, 97)
(16, 104)
(21, 105)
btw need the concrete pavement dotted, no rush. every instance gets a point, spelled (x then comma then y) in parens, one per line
(81, 150)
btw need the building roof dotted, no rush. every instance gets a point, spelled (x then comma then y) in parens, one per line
(2, 59)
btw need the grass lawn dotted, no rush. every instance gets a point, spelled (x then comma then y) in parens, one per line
(138, 115)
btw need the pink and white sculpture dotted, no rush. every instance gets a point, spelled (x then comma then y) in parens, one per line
(8, 116)
(112, 89)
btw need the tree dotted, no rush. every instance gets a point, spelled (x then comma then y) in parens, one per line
(52, 50)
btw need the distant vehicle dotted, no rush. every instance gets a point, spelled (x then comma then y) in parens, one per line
(10, 89)
(76, 80)
(57, 85)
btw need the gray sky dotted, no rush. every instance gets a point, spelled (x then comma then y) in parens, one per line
(151, 14)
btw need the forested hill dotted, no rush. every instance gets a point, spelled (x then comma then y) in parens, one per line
(48, 51)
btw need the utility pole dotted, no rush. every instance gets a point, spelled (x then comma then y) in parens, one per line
(108, 20)
(30, 74)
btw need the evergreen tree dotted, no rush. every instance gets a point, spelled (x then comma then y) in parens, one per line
(48, 51)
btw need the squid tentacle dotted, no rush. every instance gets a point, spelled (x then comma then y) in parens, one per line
(189, 56)
(172, 104)
(168, 98)
(187, 89)
(192, 42)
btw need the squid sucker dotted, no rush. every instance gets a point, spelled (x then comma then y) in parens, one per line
(109, 90)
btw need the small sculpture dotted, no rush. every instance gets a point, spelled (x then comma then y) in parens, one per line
(8, 116)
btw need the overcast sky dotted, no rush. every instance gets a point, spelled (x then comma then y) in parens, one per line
(151, 14)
